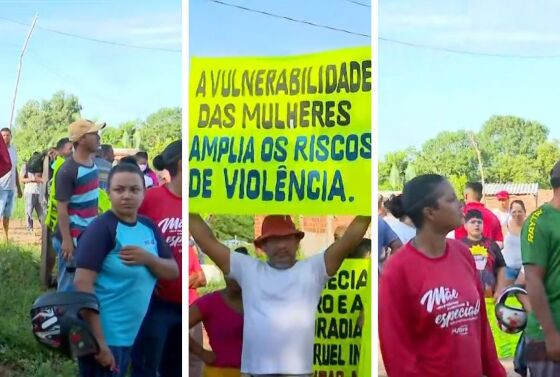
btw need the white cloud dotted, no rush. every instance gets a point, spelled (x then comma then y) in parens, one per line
(150, 30)
(424, 21)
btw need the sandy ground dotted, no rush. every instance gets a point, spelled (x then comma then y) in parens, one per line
(18, 234)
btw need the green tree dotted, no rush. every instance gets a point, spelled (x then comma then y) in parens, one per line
(450, 153)
(228, 227)
(395, 179)
(509, 147)
(459, 183)
(111, 135)
(399, 159)
(548, 153)
(410, 172)
(40, 124)
(160, 129)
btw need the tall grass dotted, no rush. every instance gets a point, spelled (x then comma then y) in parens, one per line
(19, 287)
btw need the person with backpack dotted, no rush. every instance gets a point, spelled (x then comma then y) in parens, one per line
(32, 178)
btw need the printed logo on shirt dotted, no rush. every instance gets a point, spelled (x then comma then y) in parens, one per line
(462, 330)
(172, 228)
(171, 225)
(451, 310)
(533, 224)
(150, 242)
(480, 255)
(438, 296)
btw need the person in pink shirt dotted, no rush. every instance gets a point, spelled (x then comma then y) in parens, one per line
(221, 312)
(150, 177)
(196, 280)
(432, 313)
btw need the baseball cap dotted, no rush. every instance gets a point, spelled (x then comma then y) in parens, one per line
(502, 195)
(81, 127)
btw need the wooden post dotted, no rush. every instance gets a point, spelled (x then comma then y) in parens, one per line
(19, 69)
(478, 155)
(46, 248)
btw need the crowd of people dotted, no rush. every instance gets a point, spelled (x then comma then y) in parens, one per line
(263, 322)
(112, 235)
(442, 259)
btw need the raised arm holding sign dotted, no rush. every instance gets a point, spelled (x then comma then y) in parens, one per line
(280, 296)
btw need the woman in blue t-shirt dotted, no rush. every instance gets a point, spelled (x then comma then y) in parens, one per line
(119, 258)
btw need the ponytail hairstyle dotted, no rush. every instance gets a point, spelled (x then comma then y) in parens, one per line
(419, 193)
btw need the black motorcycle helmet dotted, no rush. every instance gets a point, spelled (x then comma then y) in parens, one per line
(511, 319)
(57, 322)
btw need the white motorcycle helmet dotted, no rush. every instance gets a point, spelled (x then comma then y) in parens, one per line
(511, 319)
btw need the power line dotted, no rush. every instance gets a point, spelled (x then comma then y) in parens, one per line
(290, 18)
(465, 52)
(113, 43)
(358, 3)
(67, 79)
(53, 1)
(390, 40)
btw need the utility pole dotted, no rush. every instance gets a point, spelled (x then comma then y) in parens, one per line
(19, 69)
(478, 155)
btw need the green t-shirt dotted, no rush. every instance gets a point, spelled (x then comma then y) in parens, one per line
(540, 245)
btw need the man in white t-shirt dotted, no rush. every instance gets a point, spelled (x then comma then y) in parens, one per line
(9, 183)
(280, 296)
(502, 212)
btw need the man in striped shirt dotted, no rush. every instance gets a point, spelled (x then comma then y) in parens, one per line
(77, 194)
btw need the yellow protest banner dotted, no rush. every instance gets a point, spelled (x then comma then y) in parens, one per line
(339, 333)
(281, 134)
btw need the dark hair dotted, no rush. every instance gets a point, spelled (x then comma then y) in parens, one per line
(172, 168)
(242, 250)
(125, 167)
(395, 206)
(6, 129)
(473, 214)
(168, 159)
(142, 154)
(362, 250)
(419, 193)
(520, 202)
(476, 187)
(106, 148)
(62, 143)
(129, 160)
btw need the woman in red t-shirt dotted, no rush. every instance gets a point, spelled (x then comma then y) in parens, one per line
(158, 345)
(432, 314)
(221, 312)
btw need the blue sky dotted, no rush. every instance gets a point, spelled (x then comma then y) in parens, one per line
(113, 83)
(217, 30)
(423, 92)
